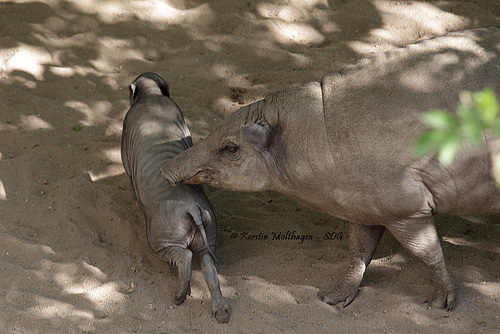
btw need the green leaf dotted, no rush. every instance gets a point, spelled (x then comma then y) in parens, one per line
(472, 127)
(449, 149)
(477, 114)
(429, 142)
(487, 105)
(77, 128)
(439, 119)
(496, 127)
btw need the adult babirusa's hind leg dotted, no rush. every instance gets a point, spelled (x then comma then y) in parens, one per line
(220, 307)
(363, 240)
(419, 237)
(182, 258)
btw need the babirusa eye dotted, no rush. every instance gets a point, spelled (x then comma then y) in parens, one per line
(232, 147)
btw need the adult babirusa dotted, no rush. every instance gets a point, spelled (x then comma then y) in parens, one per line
(344, 146)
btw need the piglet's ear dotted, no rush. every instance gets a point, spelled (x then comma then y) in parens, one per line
(164, 88)
(257, 134)
(132, 93)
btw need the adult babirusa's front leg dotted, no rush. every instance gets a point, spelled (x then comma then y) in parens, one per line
(363, 240)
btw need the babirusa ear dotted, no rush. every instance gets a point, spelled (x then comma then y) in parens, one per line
(258, 134)
(164, 88)
(132, 92)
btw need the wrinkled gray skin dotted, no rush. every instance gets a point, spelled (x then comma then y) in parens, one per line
(179, 220)
(345, 147)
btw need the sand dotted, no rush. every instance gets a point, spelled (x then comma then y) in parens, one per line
(73, 251)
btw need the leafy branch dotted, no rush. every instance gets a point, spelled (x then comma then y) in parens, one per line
(477, 114)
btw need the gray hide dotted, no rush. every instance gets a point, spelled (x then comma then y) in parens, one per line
(179, 220)
(345, 147)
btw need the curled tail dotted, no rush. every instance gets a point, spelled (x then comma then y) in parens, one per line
(200, 216)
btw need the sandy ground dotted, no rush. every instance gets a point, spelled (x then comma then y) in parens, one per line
(73, 251)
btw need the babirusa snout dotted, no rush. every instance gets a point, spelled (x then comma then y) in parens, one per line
(169, 175)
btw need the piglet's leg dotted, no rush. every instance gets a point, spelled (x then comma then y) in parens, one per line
(363, 240)
(220, 307)
(182, 258)
(418, 236)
